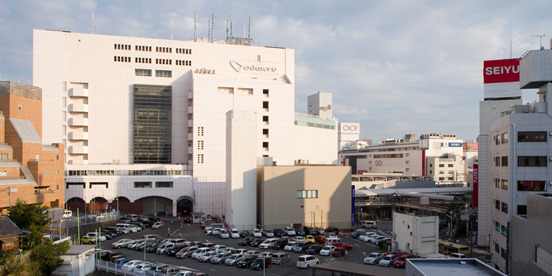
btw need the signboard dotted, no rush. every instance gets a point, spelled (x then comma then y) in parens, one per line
(452, 145)
(352, 128)
(502, 70)
(470, 147)
(475, 193)
(353, 205)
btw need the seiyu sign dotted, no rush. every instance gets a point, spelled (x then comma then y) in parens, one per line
(253, 68)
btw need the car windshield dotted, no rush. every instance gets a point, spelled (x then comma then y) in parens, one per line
(374, 255)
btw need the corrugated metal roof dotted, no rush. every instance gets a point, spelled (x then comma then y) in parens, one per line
(26, 131)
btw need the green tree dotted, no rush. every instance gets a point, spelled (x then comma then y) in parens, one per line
(453, 217)
(47, 256)
(10, 264)
(32, 217)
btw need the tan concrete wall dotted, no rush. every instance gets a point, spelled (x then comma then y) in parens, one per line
(278, 186)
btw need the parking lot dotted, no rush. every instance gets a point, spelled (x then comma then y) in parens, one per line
(193, 232)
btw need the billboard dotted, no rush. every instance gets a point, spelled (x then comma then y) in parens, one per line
(501, 78)
(349, 128)
(470, 147)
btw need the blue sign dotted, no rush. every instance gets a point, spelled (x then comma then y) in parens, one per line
(455, 145)
(353, 205)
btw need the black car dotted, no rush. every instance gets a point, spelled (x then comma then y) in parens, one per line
(299, 232)
(330, 230)
(139, 224)
(279, 232)
(313, 249)
(246, 241)
(152, 248)
(256, 242)
(280, 244)
(174, 250)
(260, 263)
(247, 261)
(114, 230)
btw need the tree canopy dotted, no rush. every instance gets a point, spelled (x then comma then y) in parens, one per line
(31, 217)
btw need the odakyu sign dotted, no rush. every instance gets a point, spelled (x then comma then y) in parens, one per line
(251, 68)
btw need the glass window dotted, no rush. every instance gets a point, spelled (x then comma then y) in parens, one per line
(163, 73)
(504, 161)
(522, 209)
(166, 184)
(532, 161)
(143, 72)
(142, 184)
(532, 136)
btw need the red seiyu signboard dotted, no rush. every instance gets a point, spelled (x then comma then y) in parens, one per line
(502, 70)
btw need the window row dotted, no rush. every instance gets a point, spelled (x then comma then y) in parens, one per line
(163, 61)
(501, 206)
(124, 172)
(532, 161)
(121, 59)
(307, 193)
(142, 48)
(183, 51)
(183, 62)
(147, 184)
(501, 183)
(200, 159)
(163, 49)
(240, 91)
(121, 47)
(532, 136)
(142, 60)
(501, 228)
(501, 139)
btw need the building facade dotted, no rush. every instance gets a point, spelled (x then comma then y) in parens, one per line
(417, 235)
(520, 152)
(29, 170)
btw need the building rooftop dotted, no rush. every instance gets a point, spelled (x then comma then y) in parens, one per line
(8, 227)
(26, 131)
(347, 268)
(451, 267)
(21, 90)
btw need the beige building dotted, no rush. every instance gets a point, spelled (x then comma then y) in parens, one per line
(29, 170)
(316, 196)
(417, 235)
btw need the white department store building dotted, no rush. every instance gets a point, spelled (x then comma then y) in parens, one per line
(148, 120)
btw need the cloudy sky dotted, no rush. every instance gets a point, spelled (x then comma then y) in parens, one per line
(396, 67)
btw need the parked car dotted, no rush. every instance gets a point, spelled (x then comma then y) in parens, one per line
(220, 257)
(289, 231)
(186, 252)
(205, 257)
(235, 233)
(373, 258)
(299, 231)
(290, 245)
(279, 244)
(224, 234)
(87, 240)
(330, 230)
(129, 266)
(357, 233)
(310, 238)
(300, 247)
(246, 241)
(280, 257)
(256, 233)
(158, 224)
(401, 261)
(278, 232)
(343, 245)
(261, 263)
(309, 230)
(232, 260)
(388, 260)
(121, 243)
(307, 261)
(320, 239)
(320, 231)
(313, 249)
(246, 262)
(339, 252)
(268, 233)
(256, 242)
(200, 251)
(97, 236)
(327, 250)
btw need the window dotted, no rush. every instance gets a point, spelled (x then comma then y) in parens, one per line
(265, 105)
(57, 186)
(200, 158)
(451, 172)
(505, 207)
(497, 225)
(504, 161)
(497, 204)
(527, 185)
(532, 161)
(99, 183)
(496, 182)
(504, 138)
(265, 92)
(522, 209)
(441, 165)
(441, 172)
(532, 136)
(504, 184)
(503, 230)
(143, 72)
(19, 107)
(503, 253)
(450, 178)
(497, 247)
(163, 73)
(57, 156)
(200, 144)
(497, 140)
(265, 145)
(57, 172)
(497, 161)
(142, 184)
(307, 193)
(265, 119)
(165, 184)
(441, 178)
(265, 131)
(199, 131)
(450, 165)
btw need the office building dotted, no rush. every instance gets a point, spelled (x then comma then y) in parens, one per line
(29, 170)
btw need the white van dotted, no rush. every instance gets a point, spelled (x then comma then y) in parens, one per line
(369, 224)
(133, 217)
(67, 214)
(268, 243)
(331, 240)
(307, 261)
(125, 228)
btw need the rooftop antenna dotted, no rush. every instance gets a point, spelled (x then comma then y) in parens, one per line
(195, 27)
(172, 24)
(540, 40)
(249, 29)
(226, 29)
(209, 29)
(93, 26)
(212, 27)
(244, 28)
(231, 25)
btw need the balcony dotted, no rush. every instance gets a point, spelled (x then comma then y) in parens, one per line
(78, 108)
(77, 135)
(74, 122)
(77, 150)
(78, 92)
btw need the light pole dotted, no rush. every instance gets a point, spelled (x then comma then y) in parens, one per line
(118, 214)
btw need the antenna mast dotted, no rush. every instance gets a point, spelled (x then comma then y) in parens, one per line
(209, 29)
(195, 28)
(93, 26)
(540, 40)
(231, 25)
(249, 29)
(212, 27)
(172, 24)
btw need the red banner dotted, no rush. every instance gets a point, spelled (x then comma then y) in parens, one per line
(502, 70)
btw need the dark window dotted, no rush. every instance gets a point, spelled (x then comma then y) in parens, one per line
(163, 73)
(522, 209)
(67, 184)
(152, 124)
(265, 145)
(497, 161)
(532, 136)
(497, 247)
(526, 185)
(142, 184)
(265, 131)
(143, 72)
(504, 161)
(265, 105)
(450, 165)
(265, 92)
(265, 119)
(532, 161)
(504, 207)
(167, 184)
(441, 165)
(497, 204)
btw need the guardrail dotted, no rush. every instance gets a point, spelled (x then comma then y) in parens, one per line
(118, 270)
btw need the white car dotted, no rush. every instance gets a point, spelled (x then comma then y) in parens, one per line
(289, 231)
(388, 260)
(366, 237)
(327, 250)
(224, 234)
(232, 260)
(130, 265)
(375, 239)
(307, 261)
(96, 236)
(158, 224)
(373, 258)
(257, 233)
(142, 268)
(122, 243)
(235, 233)
(290, 246)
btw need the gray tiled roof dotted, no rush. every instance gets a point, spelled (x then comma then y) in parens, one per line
(26, 131)
(7, 227)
